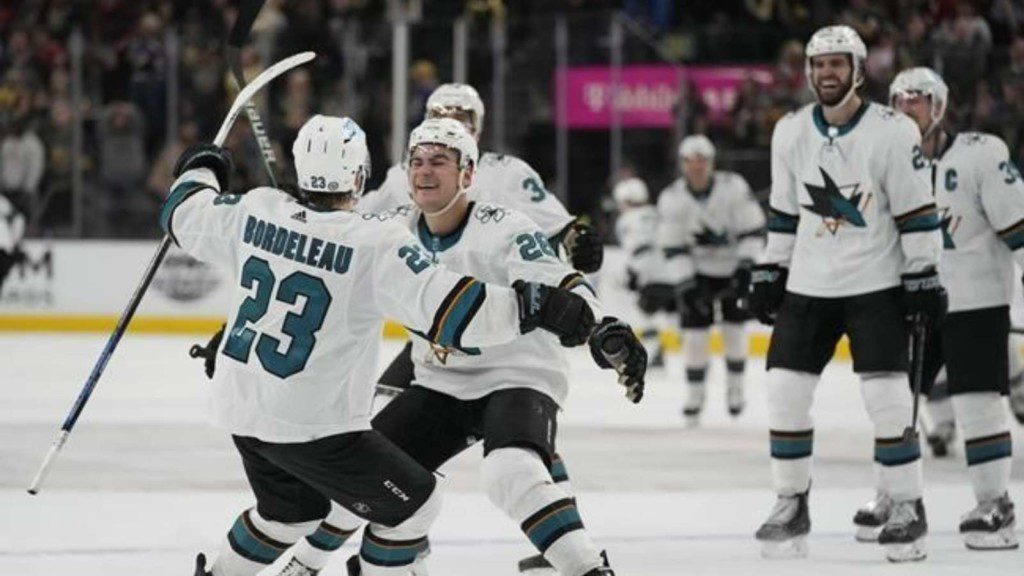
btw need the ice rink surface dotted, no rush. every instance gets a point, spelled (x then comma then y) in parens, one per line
(145, 482)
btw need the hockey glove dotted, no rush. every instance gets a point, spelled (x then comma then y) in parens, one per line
(204, 155)
(767, 289)
(556, 310)
(614, 345)
(586, 251)
(209, 352)
(739, 285)
(924, 297)
(657, 296)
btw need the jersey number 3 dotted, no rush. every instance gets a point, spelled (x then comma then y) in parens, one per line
(301, 327)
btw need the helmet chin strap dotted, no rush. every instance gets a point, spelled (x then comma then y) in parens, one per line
(455, 198)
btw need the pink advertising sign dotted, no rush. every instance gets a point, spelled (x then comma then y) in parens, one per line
(648, 94)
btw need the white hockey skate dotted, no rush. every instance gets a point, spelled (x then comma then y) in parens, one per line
(871, 517)
(990, 525)
(904, 533)
(296, 568)
(784, 533)
(735, 401)
(694, 405)
(537, 565)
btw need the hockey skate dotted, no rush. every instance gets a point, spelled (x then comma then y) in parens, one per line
(784, 534)
(694, 402)
(870, 518)
(904, 532)
(296, 568)
(734, 399)
(201, 566)
(990, 526)
(537, 566)
(354, 568)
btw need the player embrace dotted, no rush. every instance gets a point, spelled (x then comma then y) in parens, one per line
(980, 197)
(853, 248)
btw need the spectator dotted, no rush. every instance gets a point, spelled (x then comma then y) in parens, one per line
(880, 67)
(22, 161)
(423, 77)
(963, 44)
(122, 204)
(160, 177)
(148, 78)
(915, 47)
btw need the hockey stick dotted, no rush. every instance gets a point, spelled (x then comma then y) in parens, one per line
(918, 335)
(122, 324)
(247, 11)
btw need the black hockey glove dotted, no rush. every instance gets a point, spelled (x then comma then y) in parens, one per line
(739, 285)
(656, 296)
(586, 250)
(924, 297)
(767, 289)
(205, 155)
(614, 345)
(209, 352)
(556, 310)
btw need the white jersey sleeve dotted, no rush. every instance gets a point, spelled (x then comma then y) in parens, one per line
(783, 204)
(393, 192)
(910, 198)
(532, 258)
(505, 180)
(1002, 194)
(451, 309)
(672, 260)
(200, 220)
(746, 220)
(636, 229)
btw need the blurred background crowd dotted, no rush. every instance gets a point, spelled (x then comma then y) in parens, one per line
(98, 97)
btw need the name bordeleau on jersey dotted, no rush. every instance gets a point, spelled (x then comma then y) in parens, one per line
(300, 355)
(849, 212)
(980, 197)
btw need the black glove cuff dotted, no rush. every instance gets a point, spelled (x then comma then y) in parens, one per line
(921, 281)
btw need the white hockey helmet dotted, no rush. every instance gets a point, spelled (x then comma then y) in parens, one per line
(630, 191)
(837, 40)
(454, 97)
(924, 81)
(448, 133)
(331, 156)
(696, 145)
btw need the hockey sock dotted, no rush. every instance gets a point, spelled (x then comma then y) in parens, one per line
(255, 542)
(560, 475)
(987, 444)
(392, 551)
(518, 483)
(696, 354)
(315, 549)
(790, 394)
(735, 339)
(888, 401)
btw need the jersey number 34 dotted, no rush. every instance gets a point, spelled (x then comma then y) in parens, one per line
(301, 327)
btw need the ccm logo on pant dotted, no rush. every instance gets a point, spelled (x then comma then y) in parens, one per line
(396, 490)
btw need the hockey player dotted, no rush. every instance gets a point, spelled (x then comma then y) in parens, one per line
(500, 179)
(635, 227)
(853, 247)
(293, 386)
(715, 212)
(980, 196)
(509, 395)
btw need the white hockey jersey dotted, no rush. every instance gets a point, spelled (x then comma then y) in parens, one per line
(980, 196)
(636, 229)
(720, 228)
(849, 213)
(498, 246)
(299, 358)
(12, 225)
(499, 179)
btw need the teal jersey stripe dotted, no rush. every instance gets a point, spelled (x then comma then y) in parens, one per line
(249, 546)
(558, 471)
(326, 540)
(174, 199)
(792, 448)
(459, 314)
(391, 554)
(896, 453)
(782, 223)
(541, 533)
(988, 451)
(923, 223)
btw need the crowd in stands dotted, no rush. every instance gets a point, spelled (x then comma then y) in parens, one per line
(153, 79)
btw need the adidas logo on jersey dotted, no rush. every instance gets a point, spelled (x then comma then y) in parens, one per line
(300, 216)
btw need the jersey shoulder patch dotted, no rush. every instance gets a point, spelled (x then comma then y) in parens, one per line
(386, 215)
(490, 213)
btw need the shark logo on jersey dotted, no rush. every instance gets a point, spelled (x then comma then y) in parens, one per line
(489, 213)
(949, 225)
(708, 237)
(835, 207)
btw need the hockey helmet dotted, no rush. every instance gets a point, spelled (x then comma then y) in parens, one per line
(630, 191)
(922, 81)
(697, 145)
(837, 40)
(450, 98)
(331, 156)
(448, 133)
